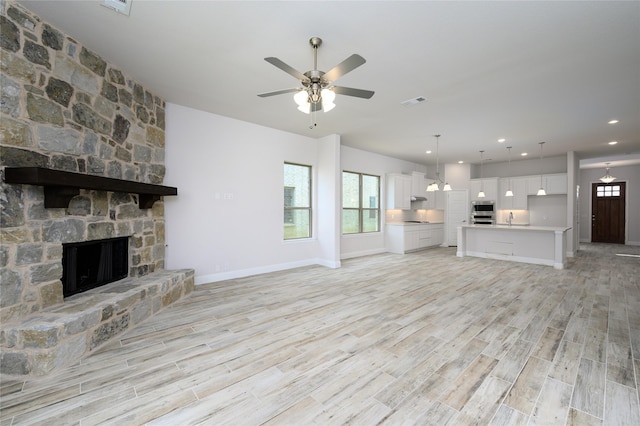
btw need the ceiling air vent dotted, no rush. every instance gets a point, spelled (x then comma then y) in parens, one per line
(120, 6)
(414, 101)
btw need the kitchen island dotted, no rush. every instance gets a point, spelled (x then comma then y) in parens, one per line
(542, 245)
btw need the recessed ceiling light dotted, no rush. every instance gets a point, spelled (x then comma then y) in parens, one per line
(524, 154)
(428, 151)
(613, 121)
(460, 162)
(501, 140)
(613, 142)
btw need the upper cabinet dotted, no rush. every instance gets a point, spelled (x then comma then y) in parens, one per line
(399, 191)
(556, 183)
(518, 186)
(552, 183)
(488, 185)
(418, 184)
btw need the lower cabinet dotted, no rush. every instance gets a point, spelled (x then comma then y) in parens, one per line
(402, 238)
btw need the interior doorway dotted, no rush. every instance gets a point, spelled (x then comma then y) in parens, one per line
(608, 212)
(456, 214)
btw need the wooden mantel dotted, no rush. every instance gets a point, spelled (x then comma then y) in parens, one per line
(60, 186)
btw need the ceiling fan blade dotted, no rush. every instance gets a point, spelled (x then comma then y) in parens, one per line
(286, 68)
(349, 64)
(279, 92)
(358, 93)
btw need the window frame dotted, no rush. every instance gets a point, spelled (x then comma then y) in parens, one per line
(361, 209)
(289, 211)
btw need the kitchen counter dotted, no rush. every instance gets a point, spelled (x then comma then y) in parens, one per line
(413, 223)
(543, 245)
(404, 237)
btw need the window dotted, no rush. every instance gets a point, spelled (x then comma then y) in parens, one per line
(608, 190)
(297, 201)
(360, 203)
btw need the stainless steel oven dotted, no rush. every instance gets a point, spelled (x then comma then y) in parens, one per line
(483, 212)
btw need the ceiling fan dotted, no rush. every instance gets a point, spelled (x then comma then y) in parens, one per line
(317, 91)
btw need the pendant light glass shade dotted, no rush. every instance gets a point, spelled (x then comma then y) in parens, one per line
(304, 99)
(541, 191)
(481, 193)
(607, 178)
(509, 192)
(435, 185)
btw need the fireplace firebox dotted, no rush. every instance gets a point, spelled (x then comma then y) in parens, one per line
(92, 264)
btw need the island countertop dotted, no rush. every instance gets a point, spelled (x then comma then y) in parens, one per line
(543, 245)
(521, 227)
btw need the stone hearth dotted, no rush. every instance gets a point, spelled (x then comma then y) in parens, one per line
(65, 108)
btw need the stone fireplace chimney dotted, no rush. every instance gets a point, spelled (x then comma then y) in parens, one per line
(65, 108)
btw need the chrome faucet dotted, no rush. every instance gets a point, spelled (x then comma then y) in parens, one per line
(510, 219)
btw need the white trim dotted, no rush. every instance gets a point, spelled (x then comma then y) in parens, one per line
(241, 273)
(535, 261)
(362, 253)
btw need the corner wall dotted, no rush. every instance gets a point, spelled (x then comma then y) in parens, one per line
(227, 220)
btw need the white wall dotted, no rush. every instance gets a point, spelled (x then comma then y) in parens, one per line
(356, 160)
(227, 220)
(528, 167)
(628, 174)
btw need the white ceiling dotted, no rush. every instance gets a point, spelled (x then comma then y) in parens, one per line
(524, 71)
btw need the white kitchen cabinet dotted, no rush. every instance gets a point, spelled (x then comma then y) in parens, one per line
(556, 183)
(418, 184)
(435, 200)
(398, 191)
(401, 238)
(519, 189)
(552, 183)
(490, 186)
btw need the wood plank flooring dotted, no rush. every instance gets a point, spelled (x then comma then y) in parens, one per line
(424, 338)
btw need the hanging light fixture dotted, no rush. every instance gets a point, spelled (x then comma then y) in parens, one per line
(607, 178)
(541, 191)
(435, 185)
(481, 193)
(314, 96)
(509, 192)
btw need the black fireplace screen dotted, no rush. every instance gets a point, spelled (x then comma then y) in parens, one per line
(91, 264)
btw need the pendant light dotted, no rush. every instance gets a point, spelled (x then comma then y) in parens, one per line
(541, 191)
(607, 178)
(509, 192)
(435, 185)
(481, 193)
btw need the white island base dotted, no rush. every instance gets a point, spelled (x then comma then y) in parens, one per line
(542, 245)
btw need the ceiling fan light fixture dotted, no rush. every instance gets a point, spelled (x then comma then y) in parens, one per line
(301, 98)
(447, 187)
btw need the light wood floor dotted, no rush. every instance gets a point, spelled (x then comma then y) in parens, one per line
(424, 338)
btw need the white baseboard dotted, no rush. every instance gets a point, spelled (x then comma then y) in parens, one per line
(633, 243)
(362, 253)
(241, 273)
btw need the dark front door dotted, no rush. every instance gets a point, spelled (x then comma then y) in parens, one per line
(607, 212)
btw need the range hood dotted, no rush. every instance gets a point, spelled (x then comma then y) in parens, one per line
(418, 198)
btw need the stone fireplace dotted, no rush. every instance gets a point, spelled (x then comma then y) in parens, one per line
(92, 264)
(64, 108)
